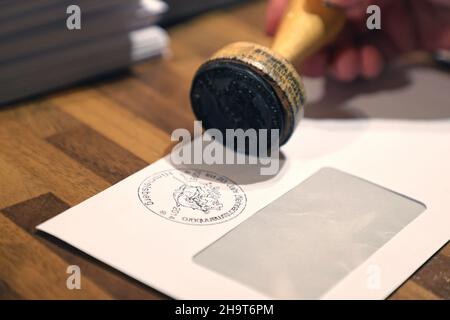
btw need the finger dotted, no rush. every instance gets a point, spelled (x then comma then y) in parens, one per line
(433, 25)
(371, 61)
(398, 24)
(346, 64)
(275, 11)
(316, 65)
(354, 9)
(444, 3)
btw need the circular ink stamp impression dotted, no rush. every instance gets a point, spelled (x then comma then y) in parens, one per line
(194, 197)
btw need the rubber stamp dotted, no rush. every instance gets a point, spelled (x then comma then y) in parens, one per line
(248, 86)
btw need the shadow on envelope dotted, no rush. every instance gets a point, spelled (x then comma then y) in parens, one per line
(414, 92)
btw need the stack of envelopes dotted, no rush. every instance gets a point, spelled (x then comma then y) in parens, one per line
(41, 51)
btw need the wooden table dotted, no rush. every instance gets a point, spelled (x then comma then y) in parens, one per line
(59, 150)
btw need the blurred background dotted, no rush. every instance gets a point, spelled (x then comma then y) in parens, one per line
(40, 53)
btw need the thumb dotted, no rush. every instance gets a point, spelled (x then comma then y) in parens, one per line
(275, 11)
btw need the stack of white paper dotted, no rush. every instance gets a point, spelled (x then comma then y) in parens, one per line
(41, 51)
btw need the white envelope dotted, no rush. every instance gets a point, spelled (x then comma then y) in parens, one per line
(135, 234)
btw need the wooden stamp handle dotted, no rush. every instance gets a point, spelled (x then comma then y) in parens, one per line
(306, 27)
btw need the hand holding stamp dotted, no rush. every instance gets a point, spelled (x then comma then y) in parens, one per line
(248, 86)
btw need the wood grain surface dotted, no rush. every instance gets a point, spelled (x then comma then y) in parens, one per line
(58, 150)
